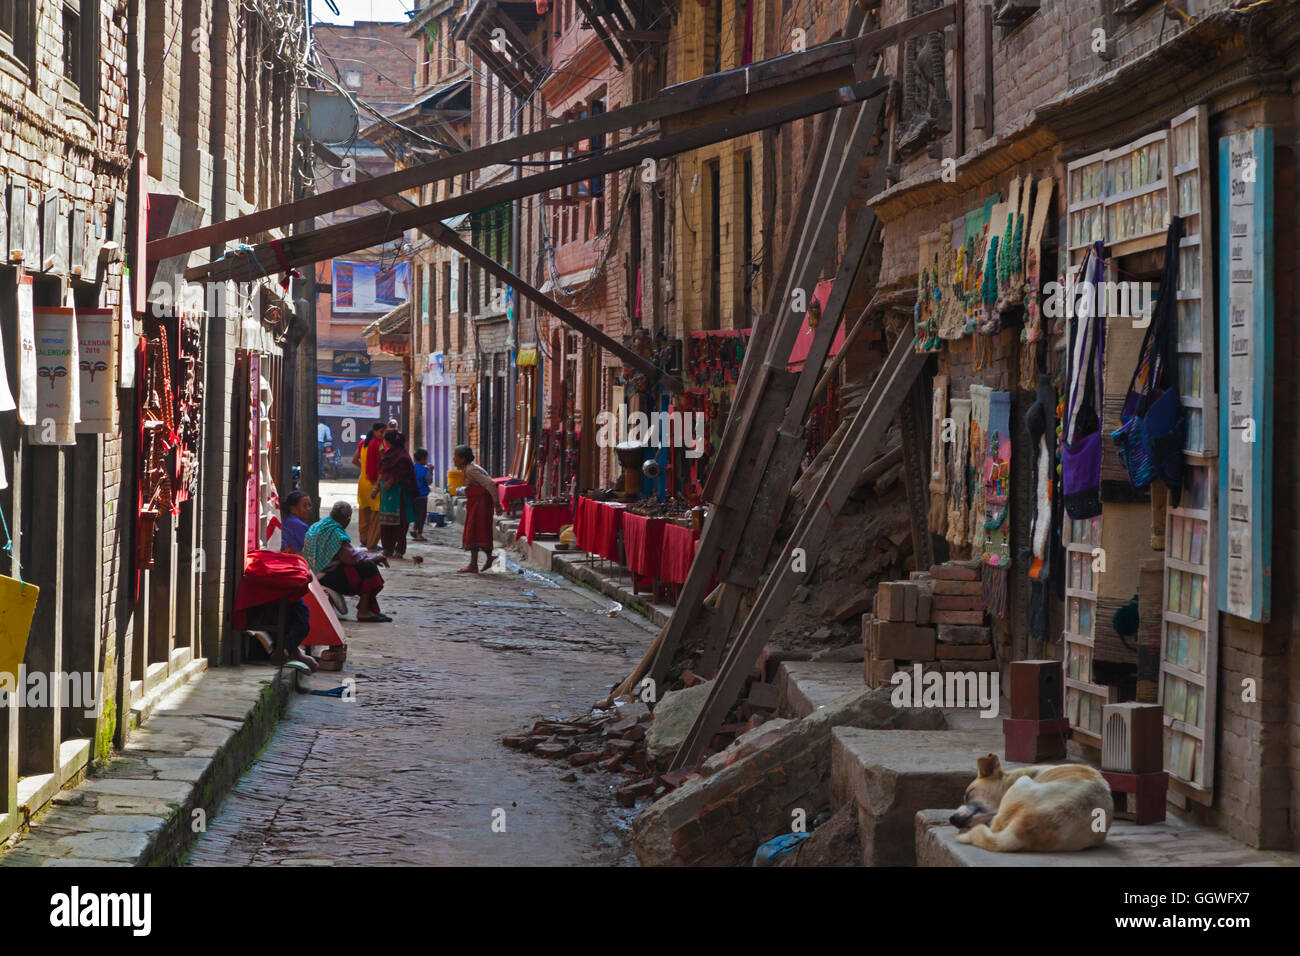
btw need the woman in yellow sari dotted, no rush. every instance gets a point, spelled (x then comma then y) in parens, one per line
(368, 454)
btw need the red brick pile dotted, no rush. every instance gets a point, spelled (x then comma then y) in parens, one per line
(935, 618)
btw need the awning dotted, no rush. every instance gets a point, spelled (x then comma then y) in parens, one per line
(803, 342)
(573, 280)
(390, 333)
(526, 358)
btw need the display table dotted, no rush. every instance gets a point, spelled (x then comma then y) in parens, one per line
(543, 519)
(508, 494)
(677, 551)
(643, 540)
(596, 526)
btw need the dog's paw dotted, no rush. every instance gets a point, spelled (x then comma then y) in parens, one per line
(963, 837)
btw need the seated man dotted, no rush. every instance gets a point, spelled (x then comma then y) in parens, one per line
(340, 567)
(297, 511)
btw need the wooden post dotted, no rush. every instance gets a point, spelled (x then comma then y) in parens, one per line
(810, 535)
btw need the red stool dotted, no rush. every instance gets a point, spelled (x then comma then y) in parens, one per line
(1031, 741)
(1151, 790)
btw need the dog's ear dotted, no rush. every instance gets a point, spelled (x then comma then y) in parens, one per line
(989, 766)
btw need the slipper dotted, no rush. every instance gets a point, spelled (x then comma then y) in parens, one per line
(336, 599)
(381, 619)
(467, 570)
(298, 666)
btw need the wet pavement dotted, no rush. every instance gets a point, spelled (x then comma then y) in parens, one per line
(412, 771)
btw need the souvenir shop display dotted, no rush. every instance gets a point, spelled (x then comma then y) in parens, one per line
(979, 425)
(1153, 425)
(1032, 333)
(996, 474)
(1081, 448)
(157, 438)
(189, 404)
(96, 372)
(937, 518)
(1040, 422)
(958, 494)
(58, 400)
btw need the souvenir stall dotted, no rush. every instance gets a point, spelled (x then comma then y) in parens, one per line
(713, 361)
(1073, 443)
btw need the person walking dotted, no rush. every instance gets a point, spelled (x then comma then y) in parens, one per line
(481, 500)
(422, 499)
(396, 491)
(367, 456)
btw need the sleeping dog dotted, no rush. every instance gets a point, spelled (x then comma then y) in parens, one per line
(1042, 808)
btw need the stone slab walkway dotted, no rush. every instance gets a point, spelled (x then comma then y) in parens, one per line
(144, 806)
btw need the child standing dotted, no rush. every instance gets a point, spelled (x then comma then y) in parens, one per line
(422, 499)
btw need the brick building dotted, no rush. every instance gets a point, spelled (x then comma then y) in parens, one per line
(1043, 97)
(116, 135)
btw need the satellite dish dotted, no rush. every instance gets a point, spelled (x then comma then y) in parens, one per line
(650, 468)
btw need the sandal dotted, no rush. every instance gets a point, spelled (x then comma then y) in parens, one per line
(467, 570)
(378, 619)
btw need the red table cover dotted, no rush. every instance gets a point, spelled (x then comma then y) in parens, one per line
(609, 519)
(543, 519)
(643, 540)
(678, 551)
(508, 493)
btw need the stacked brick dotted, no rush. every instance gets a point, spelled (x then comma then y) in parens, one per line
(935, 618)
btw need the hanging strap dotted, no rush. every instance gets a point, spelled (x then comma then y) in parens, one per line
(9, 549)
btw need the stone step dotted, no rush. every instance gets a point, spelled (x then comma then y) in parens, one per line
(1172, 843)
(892, 775)
(806, 686)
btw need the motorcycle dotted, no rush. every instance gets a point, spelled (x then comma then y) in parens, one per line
(330, 460)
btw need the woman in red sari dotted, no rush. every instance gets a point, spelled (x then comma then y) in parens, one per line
(481, 501)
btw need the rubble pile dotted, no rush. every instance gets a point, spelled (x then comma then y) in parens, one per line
(628, 740)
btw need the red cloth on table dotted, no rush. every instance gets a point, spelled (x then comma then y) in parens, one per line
(643, 540)
(270, 576)
(478, 519)
(609, 519)
(508, 493)
(678, 551)
(584, 523)
(543, 519)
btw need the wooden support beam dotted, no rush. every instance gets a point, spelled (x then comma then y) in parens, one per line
(643, 36)
(827, 60)
(337, 240)
(811, 533)
(448, 237)
(598, 25)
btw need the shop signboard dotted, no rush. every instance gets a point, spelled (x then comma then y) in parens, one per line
(1246, 263)
(340, 397)
(370, 286)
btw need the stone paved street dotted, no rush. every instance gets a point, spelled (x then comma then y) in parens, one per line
(412, 770)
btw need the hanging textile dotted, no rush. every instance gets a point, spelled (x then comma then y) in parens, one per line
(951, 313)
(958, 487)
(1081, 448)
(1040, 422)
(1032, 334)
(57, 398)
(979, 425)
(96, 370)
(189, 411)
(126, 347)
(940, 425)
(268, 507)
(1154, 426)
(157, 440)
(27, 374)
(996, 475)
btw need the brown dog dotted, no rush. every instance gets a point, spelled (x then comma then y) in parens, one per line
(1044, 808)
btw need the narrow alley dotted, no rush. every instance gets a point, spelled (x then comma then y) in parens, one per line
(412, 770)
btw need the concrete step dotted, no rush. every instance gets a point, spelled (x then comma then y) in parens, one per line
(806, 686)
(1171, 843)
(892, 775)
(143, 806)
